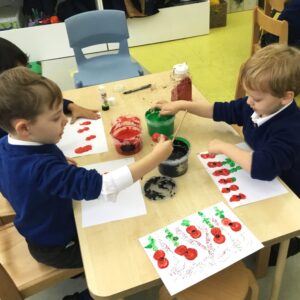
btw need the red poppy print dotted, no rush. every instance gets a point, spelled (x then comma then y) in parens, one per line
(90, 137)
(83, 129)
(83, 149)
(207, 155)
(86, 123)
(214, 164)
(235, 198)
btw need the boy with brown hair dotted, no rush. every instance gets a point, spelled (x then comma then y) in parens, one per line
(269, 116)
(35, 176)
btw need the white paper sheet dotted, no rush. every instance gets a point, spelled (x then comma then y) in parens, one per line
(129, 202)
(83, 132)
(253, 189)
(204, 256)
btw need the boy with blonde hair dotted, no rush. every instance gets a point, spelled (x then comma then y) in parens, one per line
(35, 176)
(269, 116)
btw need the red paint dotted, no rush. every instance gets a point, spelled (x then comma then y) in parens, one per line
(83, 129)
(162, 263)
(183, 90)
(126, 133)
(221, 172)
(215, 231)
(207, 155)
(86, 123)
(219, 239)
(214, 164)
(193, 231)
(158, 254)
(83, 149)
(157, 136)
(235, 198)
(90, 137)
(226, 221)
(227, 180)
(235, 226)
(188, 253)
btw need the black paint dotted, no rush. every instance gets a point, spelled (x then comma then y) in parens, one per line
(177, 163)
(159, 187)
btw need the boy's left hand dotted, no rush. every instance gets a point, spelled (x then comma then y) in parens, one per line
(81, 112)
(216, 146)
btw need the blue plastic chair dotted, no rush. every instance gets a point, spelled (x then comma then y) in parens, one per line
(98, 27)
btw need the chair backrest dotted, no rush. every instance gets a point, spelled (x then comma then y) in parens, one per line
(26, 276)
(97, 27)
(273, 5)
(264, 23)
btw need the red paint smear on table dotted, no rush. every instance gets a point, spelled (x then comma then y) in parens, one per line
(83, 129)
(85, 123)
(90, 137)
(83, 149)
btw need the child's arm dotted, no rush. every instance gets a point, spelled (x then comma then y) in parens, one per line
(160, 153)
(240, 156)
(82, 112)
(200, 108)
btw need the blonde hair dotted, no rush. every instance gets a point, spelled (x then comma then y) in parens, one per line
(25, 95)
(274, 69)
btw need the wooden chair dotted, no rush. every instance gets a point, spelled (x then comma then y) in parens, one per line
(7, 213)
(272, 6)
(20, 275)
(232, 283)
(263, 23)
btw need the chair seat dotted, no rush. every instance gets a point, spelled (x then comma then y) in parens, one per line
(28, 275)
(112, 68)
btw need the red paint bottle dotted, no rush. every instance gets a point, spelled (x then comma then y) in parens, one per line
(182, 89)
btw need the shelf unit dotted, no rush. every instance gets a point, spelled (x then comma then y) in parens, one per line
(51, 42)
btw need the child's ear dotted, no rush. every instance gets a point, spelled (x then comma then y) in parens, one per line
(288, 97)
(21, 127)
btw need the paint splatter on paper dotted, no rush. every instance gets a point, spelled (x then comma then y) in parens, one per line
(235, 184)
(198, 246)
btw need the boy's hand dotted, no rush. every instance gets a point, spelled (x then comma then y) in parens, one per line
(216, 146)
(163, 149)
(168, 108)
(81, 112)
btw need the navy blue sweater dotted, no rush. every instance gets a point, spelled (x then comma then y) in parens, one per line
(66, 111)
(276, 143)
(40, 185)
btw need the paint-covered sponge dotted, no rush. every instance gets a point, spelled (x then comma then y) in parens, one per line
(157, 136)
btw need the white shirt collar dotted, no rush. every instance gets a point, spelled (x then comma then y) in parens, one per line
(14, 141)
(261, 120)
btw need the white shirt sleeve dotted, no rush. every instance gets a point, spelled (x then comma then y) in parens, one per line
(115, 181)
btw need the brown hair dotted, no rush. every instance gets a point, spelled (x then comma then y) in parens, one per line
(274, 69)
(25, 95)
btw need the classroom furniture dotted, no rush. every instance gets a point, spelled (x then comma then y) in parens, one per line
(273, 5)
(115, 263)
(22, 276)
(50, 41)
(101, 27)
(7, 213)
(233, 283)
(263, 23)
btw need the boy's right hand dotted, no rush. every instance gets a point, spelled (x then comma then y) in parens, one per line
(163, 149)
(168, 108)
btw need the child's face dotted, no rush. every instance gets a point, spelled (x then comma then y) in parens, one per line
(264, 104)
(48, 126)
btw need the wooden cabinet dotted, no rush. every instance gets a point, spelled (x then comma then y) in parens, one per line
(50, 41)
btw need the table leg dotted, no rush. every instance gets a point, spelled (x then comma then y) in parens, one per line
(279, 269)
(262, 262)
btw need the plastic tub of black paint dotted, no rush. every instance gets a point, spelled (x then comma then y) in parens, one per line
(177, 163)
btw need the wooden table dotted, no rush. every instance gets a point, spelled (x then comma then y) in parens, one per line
(115, 263)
